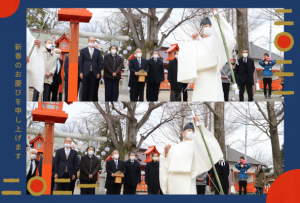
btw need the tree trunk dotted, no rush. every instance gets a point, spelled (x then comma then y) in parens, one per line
(277, 159)
(242, 29)
(219, 130)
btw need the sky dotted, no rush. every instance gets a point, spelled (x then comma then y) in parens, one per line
(261, 31)
(77, 109)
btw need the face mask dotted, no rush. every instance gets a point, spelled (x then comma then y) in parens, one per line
(245, 55)
(207, 31)
(189, 135)
(132, 158)
(176, 56)
(91, 44)
(91, 152)
(32, 156)
(155, 56)
(116, 156)
(266, 63)
(68, 145)
(139, 55)
(49, 46)
(113, 51)
(155, 158)
(242, 166)
(58, 56)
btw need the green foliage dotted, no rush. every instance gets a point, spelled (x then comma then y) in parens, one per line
(267, 169)
(35, 18)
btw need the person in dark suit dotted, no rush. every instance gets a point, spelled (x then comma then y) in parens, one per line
(41, 170)
(223, 170)
(65, 165)
(66, 78)
(112, 166)
(98, 80)
(89, 167)
(32, 165)
(56, 77)
(155, 76)
(113, 64)
(72, 186)
(245, 71)
(176, 87)
(90, 65)
(133, 174)
(152, 175)
(136, 87)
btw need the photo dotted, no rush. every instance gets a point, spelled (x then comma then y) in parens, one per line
(155, 148)
(153, 54)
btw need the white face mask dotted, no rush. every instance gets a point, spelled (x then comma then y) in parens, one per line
(49, 46)
(155, 56)
(245, 55)
(113, 51)
(139, 55)
(116, 156)
(68, 145)
(242, 166)
(266, 63)
(189, 135)
(155, 158)
(32, 156)
(91, 44)
(58, 56)
(91, 152)
(207, 31)
(132, 158)
(176, 56)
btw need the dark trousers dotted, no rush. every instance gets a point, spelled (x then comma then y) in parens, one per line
(64, 186)
(152, 91)
(267, 81)
(88, 87)
(184, 93)
(87, 191)
(242, 183)
(226, 87)
(259, 191)
(137, 91)
(111, 89)
(72, 185)
(54, 91)
(46, 93)
(249, 90)
(129, 189)
(113, 189)
(224, 187)
(201, 189)
(175, 95)
(153, 192)
(282, 87)
(96, 90)
(27, 179)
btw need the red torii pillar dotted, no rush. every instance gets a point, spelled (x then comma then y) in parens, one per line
(74, 15)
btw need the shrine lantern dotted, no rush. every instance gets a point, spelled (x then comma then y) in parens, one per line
(38, 144)
(171, 51)
(151, 150)
(50, 113)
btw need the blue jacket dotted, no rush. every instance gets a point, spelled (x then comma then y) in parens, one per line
(266, 71)
(243, 171)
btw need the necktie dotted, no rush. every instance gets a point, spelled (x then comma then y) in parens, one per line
(91, 51)
(30, 169)
(132, 163)
(139, 62)
(116, 164)
(245, 60)
(155, 60)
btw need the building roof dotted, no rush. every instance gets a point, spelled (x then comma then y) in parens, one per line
(257, 52)
(150, 149)
(64, 36)
(39, 137)
(234, 156)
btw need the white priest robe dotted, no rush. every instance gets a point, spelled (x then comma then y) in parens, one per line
(202, 61)
(185, 161)
(36, 66)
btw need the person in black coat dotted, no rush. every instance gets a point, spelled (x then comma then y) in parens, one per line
(98, 80)
(72, 186)
(133, 174)
(34, 164)
(56, 77)
(41, 170)
(112, 166)
(136, 87)
(89, 167)
(245, 71)
(113, 64)
(65, 165)
(223, 171)
(152, 175)
(155, 76)
(90, 65)
(66, 77)
(176, 87)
